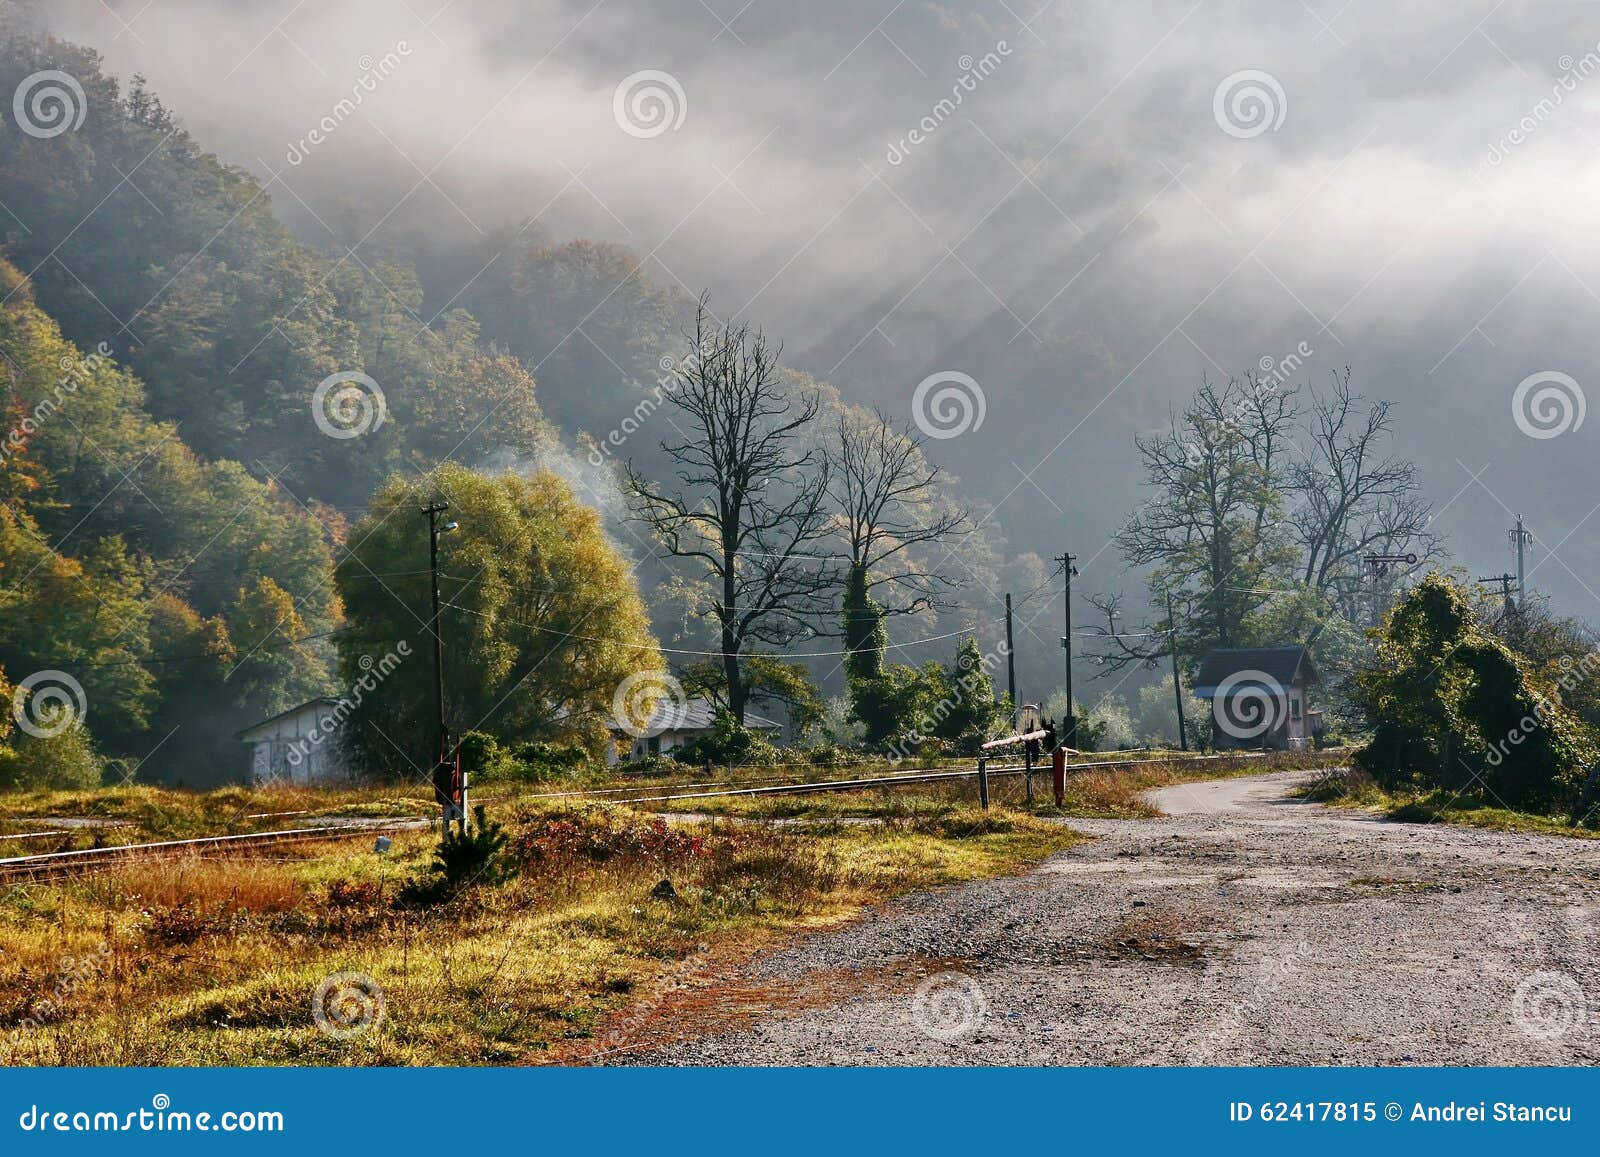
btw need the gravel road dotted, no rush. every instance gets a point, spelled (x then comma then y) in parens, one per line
(1242, 928)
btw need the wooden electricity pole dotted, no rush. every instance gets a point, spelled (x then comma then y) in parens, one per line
(445, 787)
(1069, 730)
(1011, 666)
(1177, 683)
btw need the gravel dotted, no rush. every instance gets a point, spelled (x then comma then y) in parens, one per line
(1244, 928)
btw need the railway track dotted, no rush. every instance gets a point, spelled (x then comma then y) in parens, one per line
(827, 785)
(54, 865)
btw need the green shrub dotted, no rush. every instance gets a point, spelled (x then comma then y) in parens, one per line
(650, 765)
(545, 761)
(64, 760)
(487, 761)
(728, 744)
(833, 755)
(478, 857)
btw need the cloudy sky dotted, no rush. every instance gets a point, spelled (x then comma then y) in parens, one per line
(1127, 195)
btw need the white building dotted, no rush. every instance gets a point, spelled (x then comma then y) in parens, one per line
(297, 745)
(672, 725)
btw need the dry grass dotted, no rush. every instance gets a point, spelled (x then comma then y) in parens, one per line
(216, 961)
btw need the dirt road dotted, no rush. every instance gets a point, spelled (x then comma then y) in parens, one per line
(1243, 928)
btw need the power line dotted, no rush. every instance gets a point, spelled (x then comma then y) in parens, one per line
(687, 651)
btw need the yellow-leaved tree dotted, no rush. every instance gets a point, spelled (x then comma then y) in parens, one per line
(541, 619)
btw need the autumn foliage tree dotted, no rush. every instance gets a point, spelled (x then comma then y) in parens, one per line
(541, 619)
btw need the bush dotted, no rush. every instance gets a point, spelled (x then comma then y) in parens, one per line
(832, 755)
(463, 860)
(545, 761)
(482, 757)
(729, 743)
(65, 760)
(1452, 707)
(486, 761)
(650, 765)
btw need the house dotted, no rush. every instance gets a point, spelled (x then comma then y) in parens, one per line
(673, 724)
(298, 745)
(1258, 696)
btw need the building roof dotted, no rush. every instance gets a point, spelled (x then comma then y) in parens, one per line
(1243, 667)
(697, 714)
(319, 701)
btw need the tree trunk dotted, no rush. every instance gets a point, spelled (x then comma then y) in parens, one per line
(738, 693)
(863, 628)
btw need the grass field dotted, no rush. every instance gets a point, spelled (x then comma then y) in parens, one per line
(1356, 789)
(218, 960)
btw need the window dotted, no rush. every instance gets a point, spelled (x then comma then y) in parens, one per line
(1294, 707)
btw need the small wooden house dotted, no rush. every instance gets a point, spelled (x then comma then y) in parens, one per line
(1259, 696)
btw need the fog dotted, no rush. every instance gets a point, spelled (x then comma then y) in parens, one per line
(1086, 233)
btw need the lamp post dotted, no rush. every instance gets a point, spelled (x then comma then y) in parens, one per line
(450, 793)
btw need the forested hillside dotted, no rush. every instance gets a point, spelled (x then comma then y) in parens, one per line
(172, 510)
(173, 493)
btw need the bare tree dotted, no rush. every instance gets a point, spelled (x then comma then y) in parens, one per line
(890, 502)
(1350, 498)
(750, 499)
(1258, 516)
(1212, 529)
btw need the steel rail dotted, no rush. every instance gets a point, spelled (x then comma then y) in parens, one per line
(52, 864)
(922, 777)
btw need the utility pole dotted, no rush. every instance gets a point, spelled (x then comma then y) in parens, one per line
(1505, 581)
(1177, 683)
(451, 795)
(1011, 666)
(1069, 732)
(1520, 537)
